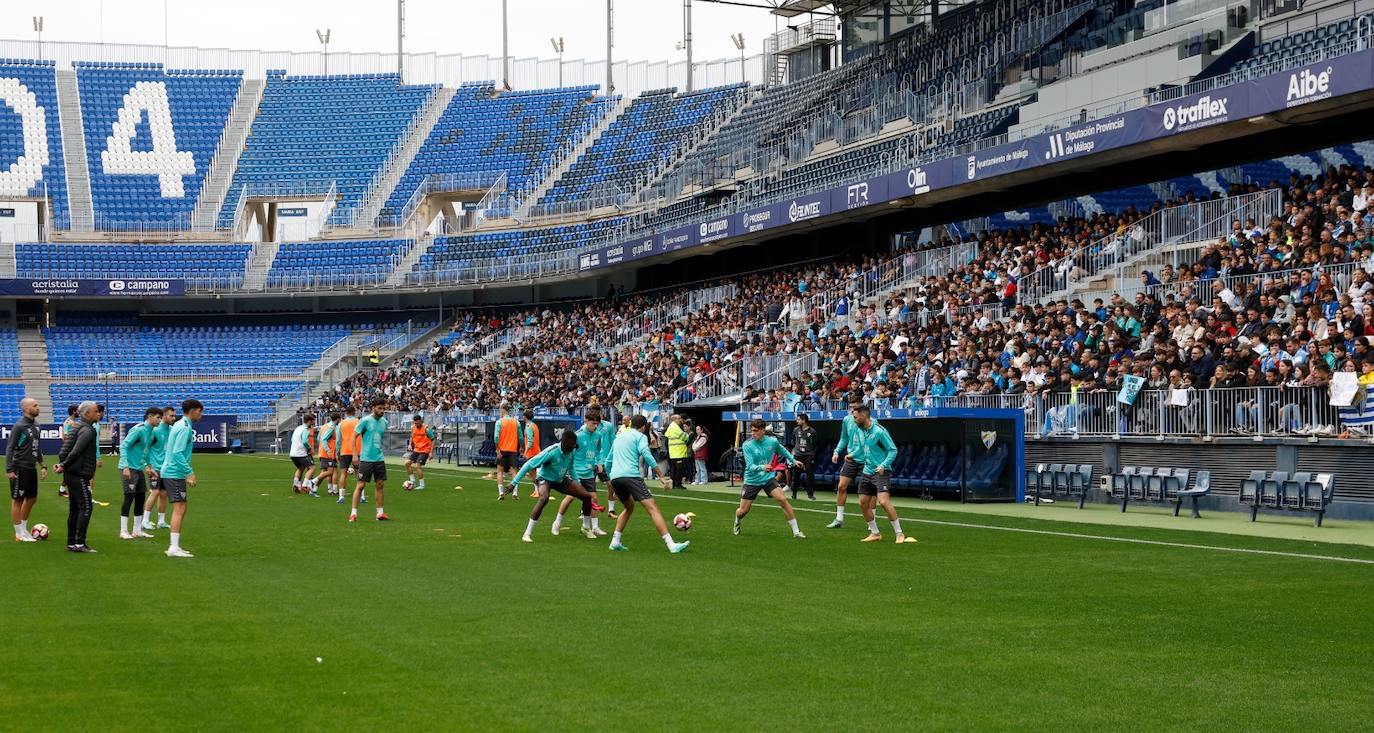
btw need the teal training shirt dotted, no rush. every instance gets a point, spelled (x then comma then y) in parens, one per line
(157, 446)
(627, 450)
(133, 451)
(554, 465)
(878, 448)
(370, 432)
(606, 432)
(181, 441)
(588, 452)
(850, 442)
(758, 456)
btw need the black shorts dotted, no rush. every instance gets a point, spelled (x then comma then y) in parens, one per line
(563, 487)
(134, 484)
(24, 485)
(345, 461)
(302, 461)
(851, 469)
(371, 471)
(589, 484)
(872, 484)
(505, 460)
(176, 489)
(748, 493)
(630, 488)
(326, 463)
(418, 458)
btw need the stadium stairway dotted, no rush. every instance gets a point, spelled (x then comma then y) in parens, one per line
(259, 264)
(399, 163)
(701, 140)
(403, 268)
(226, 159)
(9, 264)
(573, 155)
(34, 369)
(79, 206)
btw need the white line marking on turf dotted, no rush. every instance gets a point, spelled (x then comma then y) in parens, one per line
(1052, 533)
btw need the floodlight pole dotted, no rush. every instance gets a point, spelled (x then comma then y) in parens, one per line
(505, 52)
(558, 48)
(38, 28)
(738, 39)
(610, 45)
(687, 27)
(323, 35)
(401, 39)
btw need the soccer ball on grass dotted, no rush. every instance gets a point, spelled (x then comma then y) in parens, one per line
(39, 531)
(408, 485)
(683, 521)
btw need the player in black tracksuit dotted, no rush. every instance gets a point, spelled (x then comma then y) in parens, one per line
(23, 464)
(804, 449)
(76, 463)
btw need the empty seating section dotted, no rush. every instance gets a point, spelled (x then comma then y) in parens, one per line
(485, 131)
(652, 128)
(218, 265)
(1059, 479)
(935, 466)
(1300, 491)
(312, 131)
(32, 152)
(361, 261)
(10, 394)
(127, 400)
(150, 136)
(453, 253)
(9, 354)
(151, 351)
(1301, 45)
(1159, 484)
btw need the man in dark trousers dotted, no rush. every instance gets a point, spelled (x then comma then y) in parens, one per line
(804, 450)
(76, 463)
(23, 464)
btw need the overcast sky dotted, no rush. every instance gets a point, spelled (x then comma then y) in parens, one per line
(646, 30)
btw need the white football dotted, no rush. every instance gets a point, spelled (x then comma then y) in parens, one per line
(683, 521)
(39, 531)
(407, 485)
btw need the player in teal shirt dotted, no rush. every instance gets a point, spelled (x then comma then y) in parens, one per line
(555, 464)
(586, 462)
(157, 450)
(176, 473)
(629, 448)
(759, 451)
(135, 469)
(370, 432)
(853, 461)
(879, 452)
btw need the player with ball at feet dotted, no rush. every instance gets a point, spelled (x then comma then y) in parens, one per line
(629, 448)
(555, 465)
(758, 456)
(878, 454)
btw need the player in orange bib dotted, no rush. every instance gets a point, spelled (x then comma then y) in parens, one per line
(507, 439)
(348, 447)
(421, 445)
(529, 440)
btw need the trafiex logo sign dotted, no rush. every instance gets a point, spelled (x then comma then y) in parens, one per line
(713, 230)
(756, 220)
(801, 211)
(916, 181)
(1305, 86)
(1205, 111)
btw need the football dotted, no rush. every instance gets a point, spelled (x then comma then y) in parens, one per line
(39, 531)
(408, 485)
(683, 521)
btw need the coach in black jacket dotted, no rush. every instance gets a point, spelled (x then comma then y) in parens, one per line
(76, 463)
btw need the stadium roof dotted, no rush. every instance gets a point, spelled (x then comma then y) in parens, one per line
(791, 8)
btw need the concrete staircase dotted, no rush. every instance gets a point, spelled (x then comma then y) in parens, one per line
(386, 180)
(9, 266)
(397, 277)
(226, 160)
(33, 365)
(578, 150)
(79, 206)
(259, 263)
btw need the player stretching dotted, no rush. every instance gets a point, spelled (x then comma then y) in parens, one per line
(177, 475)
(852, 447)
(507, 437)
(136, 472)
(421, 445)
(301, 457)
(759, 451)
(585, 464)
(24, 467)
(627, 483)
(555, 465)
(329, 451)
(157, 449)
(879, 452)
(371, 460)
(348, 447)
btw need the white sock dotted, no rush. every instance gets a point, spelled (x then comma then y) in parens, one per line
(19, 530)
(380, 510)
(873, 526)
(422, 483)
(162, 517)
(557, 522)
(412, 478)
(586, 522)
(793, 524)
(123, 524)
(896, 526)
(668, 539)
(353, 512)
(596, 522)
(295, 483)
(176, 541)
(529, 528)
(839, 513)
(138, 523)
(615, 538)
(610, 505)
(24, 526)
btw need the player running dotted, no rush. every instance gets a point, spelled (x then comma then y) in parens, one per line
(420, 447)
(157, 449)
(507, 437)
(136, 473)
(329, 451)
(348, 448)
(370, 432)
(759, 452)
(24, 467)
(555, 465)
(879, 452)
(176, 473)
(585, 465)
(629, 448)
(301, 456)
(852, 447)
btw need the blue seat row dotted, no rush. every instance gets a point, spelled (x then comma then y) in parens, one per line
(126, 401)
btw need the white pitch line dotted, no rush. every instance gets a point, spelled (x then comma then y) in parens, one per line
(1052, 533)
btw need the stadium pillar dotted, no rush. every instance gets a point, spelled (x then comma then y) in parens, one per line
(687, 24)
(505, 50)
(401, 38)
(610, 44)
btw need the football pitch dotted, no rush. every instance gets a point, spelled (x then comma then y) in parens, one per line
(290, 619)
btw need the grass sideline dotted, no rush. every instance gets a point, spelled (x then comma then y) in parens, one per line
(445, 619)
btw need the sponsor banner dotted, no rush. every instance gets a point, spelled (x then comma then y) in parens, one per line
(49, 439)
(757, 220)
(802, 209)
(715, 230)
(1088, 138)
(858, 195)
(996, 161)
(1196, 111)
(74, 287)
(677, 239)
(295, 211)
(1313, 83)
(919, 179)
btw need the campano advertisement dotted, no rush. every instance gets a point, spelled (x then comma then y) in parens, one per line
(77, 287)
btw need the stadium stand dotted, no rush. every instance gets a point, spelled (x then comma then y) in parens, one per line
(218, 265)
(9, 354)
(451, 253)
(150, 136)
(312, 132)
(39, 146)
(248, 401)
(359, 262)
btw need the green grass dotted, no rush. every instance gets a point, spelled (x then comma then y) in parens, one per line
(444, 620)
